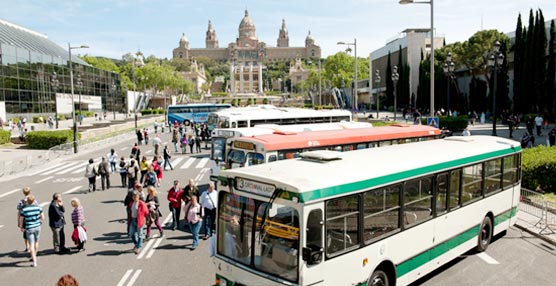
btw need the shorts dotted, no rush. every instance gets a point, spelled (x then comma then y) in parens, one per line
(33, 234)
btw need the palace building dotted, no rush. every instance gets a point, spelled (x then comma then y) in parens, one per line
(247, 54)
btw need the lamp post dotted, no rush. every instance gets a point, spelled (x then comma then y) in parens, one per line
(449, 68)
(377, 81)
(72, 94)
(55, 83)
(432, 47)
(495, 61)
(395, 78)
(354, 44)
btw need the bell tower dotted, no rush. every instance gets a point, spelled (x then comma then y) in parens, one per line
(211, 39)
(283, 37)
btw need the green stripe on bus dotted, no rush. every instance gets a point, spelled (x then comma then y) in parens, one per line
(346, 188)
(433, 253)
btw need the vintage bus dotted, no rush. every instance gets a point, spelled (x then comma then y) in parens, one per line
(220, 141)
(265, 148)
(379, 216)
(195, 112)
(268, 114)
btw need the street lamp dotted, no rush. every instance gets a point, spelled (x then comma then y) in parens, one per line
(432, 47)
(72, 94)
(55, 83)
(395, 78)
(495, 61)
(449, 68)
(354, 44)
(377, 81)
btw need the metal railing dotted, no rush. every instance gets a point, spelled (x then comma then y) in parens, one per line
(535, 204)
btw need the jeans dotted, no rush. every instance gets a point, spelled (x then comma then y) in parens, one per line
(58, 238)
(176, 146)
(105, 179)
(131, 182)
(33, 234)
(167, 162)
(113, 167)
(195, 228)
(208, 221)
(136, 233)
(175, 217)
(124, 179)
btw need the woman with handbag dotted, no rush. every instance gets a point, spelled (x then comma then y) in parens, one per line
(153, 204)
(194, 217)
(78, 218)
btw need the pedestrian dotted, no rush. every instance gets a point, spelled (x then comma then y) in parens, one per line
(198, 144)
(155, 126)
(191, 142)
(123, 171)
(538, 124)
(156, 143)
(511, 121)
(194, 217)
(175, 139)
(104, 174)
(22, 203)
(154, 211)
(209, 202)
(112, 158)
(552, 137)
(149, 178)
(175, 196)
(135, 152)
(138, 212)
(482, 117)
(146, 136)
(30, 222)
(190, 191)
(91, 173)
(56, 222)
(139, 136)
(143, 167)
(67, 280)
(132, 173)
(184, 144)
(167, 158)
(530, 124)
(157, 170)
(78, 219)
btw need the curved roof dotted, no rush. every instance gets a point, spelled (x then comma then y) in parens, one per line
(246, 22)
(14, 35)
(184, 38)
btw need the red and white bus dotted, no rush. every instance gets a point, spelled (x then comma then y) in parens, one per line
(260, 149)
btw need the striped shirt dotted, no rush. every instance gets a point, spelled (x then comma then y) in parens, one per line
(31, 215)
(77, 216)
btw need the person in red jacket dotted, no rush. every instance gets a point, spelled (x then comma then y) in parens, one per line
(138, 211)
(175, 196)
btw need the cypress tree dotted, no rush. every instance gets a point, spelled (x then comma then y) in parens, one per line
(403, 95)
(518, 49)
(502, 85)
(551, 71)
(540, 83)
(529, 65)
(389, 83)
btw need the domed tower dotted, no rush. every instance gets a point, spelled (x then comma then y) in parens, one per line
(283, 37)
(247, 31)
(309, 41)
(184, 42)
(182, 51)
(211, 39)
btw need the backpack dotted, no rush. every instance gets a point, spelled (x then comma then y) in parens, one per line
(151, 179)
(131, 172)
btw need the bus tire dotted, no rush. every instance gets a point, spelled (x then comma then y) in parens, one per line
(379, 278)
(485, 234)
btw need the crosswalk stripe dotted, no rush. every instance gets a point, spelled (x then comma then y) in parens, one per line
(202, 163)
(123, 149)
(149, 151)
(47, 169)
(60, 168)
(10, 192)
(188, 163)
(72, 168)
(176, 161)
(45, 179)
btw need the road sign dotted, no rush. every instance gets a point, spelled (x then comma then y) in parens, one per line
(433, 121)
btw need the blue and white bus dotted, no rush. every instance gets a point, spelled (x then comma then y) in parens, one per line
(196, 112)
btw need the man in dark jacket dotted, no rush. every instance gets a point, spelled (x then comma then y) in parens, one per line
(56, 221)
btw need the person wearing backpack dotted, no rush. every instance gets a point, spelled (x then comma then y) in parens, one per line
(104, 173)
(150, 177)
(132, 170)
(123, 171)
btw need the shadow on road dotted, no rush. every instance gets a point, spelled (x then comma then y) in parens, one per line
(113, 237)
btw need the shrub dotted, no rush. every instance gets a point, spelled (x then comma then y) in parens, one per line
(15, 120)
(47, 139)
(4, 136)
(538, 167)
(219, 94)
(308, 105)
(457, 124)
(265, 100)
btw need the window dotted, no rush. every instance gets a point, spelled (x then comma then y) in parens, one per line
(472, 178)
(235, 221)
(381, 212)
(442, 193)
(493, 175)
(236, 158)
(510, 171)
(455, 186)
(417, 201)
(254, 159)
(314, 231)
(342, 224)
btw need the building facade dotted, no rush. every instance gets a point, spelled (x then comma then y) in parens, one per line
(35, 78)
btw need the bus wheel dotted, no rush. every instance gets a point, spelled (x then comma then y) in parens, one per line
(379, 278)
(485, 234)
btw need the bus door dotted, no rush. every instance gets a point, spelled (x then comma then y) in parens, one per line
(312, 252)
(217, 156)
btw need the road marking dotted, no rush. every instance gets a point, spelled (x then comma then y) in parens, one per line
(188, 163)
(45, 179)
(1, 226)
(72, 190)
(123, 149)
(60, 168)
(44, 204)
(134, 277)
(202, 163)
(167, 219)
(176, 161)
(46, 169)
(124, 278)
(78, 166)
(67, 180)
(201, 174)
(157, 243)
(487, 258)
(145, 249)
(10, 192)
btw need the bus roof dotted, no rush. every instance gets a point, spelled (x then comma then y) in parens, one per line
(310, 180)
(199, 104)
(264, 112)
(271, 128)
(292, 140)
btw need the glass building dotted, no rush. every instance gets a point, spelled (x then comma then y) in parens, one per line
(35, 78)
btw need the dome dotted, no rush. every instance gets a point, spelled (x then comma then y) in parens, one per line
(309, 36)
(183, 38)
(247, 28)
(246, 22)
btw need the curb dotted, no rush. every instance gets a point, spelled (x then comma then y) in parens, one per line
(538, 235)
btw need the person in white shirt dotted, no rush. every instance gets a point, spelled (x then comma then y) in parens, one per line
(112, 158)
(538, 124)
(209, 202)
(156, 143)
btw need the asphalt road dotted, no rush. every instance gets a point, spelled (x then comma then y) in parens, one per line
(514, 259)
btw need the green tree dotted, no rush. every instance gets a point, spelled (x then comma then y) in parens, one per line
(540, 60)
(519, 54)
(389, 83)
(551, 70)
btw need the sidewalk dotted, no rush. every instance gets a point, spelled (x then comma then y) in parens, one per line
(536, 227)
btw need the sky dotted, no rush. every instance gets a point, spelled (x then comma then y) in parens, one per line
(112, 28)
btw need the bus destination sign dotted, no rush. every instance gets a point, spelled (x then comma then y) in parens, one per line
(244, 145)
(255, 187)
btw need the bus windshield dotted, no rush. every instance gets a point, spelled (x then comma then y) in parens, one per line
(268, 244)
(218, 149)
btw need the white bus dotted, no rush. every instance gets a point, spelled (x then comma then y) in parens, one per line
(380, 216)
(269, 114)
(220, 137)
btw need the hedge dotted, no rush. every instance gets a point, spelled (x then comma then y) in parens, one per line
(219, 93)
(47, 139)
(4, 136)
(152, 111)
(538, 168)
(456, 124)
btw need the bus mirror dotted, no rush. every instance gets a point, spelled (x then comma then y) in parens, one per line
(312, 254)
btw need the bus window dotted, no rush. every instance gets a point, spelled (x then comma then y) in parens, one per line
(472, 183)
(272, 158)
(381, 212)
(254, 159)
(455, 187)
(510, 171)
(417, 200)
(236, 159)
(373, 144)
(347, 148)
(361, 146)
(337, 148)
(385, 143)
(235, 221)
(314, 234)
(234, 125)
(493, 175)
(342, 224)
(442, 193)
